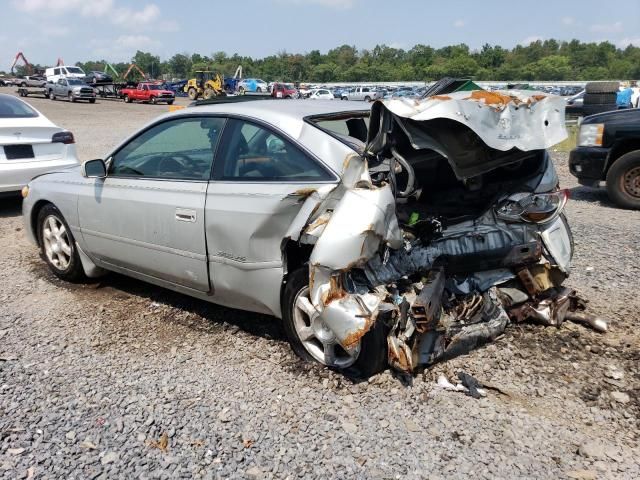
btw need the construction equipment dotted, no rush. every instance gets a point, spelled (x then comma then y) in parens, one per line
(60, 62)
(135, 67)
(19, 56)
(108, 66)
(206, 84)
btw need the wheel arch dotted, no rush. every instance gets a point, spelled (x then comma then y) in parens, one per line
(33, 220)
(294, 256)
(620, 148)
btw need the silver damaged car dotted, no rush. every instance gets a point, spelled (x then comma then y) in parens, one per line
(398, 235)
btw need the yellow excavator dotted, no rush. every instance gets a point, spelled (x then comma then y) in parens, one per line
(206, 84)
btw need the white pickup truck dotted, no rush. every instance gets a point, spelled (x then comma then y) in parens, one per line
(368, 94)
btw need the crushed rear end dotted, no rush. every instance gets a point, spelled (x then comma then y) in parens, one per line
(446, 229)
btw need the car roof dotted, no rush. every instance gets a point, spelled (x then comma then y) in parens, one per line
(278, 112)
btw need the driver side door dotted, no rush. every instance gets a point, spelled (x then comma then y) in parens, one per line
(148, 215)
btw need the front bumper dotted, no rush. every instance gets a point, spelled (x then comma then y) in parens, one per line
(588, 164)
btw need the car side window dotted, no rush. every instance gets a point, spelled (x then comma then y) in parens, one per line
(56, 71)
(180, 149)
(252, 153)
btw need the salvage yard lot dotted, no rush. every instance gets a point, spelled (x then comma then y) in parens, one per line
(123, 379)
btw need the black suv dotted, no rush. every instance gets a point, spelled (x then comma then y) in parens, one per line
(609, 149)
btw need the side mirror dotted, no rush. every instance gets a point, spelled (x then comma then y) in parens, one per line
(94, 169)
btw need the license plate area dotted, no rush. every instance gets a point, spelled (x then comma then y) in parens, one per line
(18, 152)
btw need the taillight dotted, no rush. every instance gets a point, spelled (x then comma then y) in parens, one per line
(63, 137)
(533, 207)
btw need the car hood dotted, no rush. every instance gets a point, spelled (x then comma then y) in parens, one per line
(473, 130)
(627, 115)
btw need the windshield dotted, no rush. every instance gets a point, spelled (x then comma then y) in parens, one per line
(73, 81)
(289, 86)
(11, 107)
(74, 70)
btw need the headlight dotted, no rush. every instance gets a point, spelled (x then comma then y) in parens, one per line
(533, 208)
(590, 135)
(25, 191)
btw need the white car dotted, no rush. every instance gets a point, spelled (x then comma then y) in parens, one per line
(30, 144)
(321, 94)
(53, 74)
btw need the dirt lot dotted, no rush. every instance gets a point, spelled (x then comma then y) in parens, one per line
(120, 379)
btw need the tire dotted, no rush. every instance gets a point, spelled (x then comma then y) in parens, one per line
(593, 109)
(170, 102)
(372, 357)
(367, 99)
(602, 87)
(193, 93)
(258, 90)
(599, 98)
(93, 100)
(51, 95)
(70, 98)
(65, 265)
(153, 100)
(127, 99)
(623, 181)
(241, 90)
(208, 93)
(23, 84)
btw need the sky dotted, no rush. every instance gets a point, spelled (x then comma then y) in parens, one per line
(80, 30)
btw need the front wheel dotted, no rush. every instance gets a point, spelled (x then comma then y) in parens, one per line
(312, 340)
(58, 245)
(153, 100)
(70, 97)
(170, 102)
(623, 181)
(127, 99)
(51, 95)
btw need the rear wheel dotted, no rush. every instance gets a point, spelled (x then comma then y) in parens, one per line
(127, 99)
(312, 340)
(193, 93)
(367, 99)
(51, 95)
(209, 93)
(93, 100)
(58, 245)
(170, 102)
(623, 181)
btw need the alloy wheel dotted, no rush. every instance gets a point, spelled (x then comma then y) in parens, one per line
(318, 340)
(57, 246)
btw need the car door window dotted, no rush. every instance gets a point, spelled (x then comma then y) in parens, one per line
(254, 153)
(180, 149)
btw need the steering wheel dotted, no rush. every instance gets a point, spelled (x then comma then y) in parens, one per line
(180, 158)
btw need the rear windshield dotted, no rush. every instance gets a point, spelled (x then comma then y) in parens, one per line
(11, 107)
(351, 128)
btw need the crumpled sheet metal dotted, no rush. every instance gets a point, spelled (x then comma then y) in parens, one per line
(349, 232)
(502, 119)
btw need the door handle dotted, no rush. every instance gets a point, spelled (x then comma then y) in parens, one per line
(185, 215)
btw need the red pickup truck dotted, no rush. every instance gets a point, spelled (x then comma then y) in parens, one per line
(148, 92)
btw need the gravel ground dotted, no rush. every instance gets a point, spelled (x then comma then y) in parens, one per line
(120, 379)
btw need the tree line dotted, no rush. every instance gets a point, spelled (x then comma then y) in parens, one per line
(540, 60)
